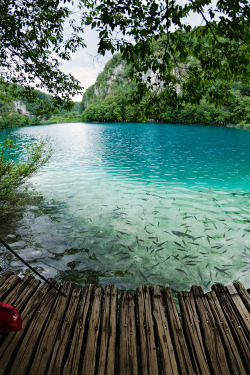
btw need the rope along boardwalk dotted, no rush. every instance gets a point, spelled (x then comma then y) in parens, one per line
(95, 331)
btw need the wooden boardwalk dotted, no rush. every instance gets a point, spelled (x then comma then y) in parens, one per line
(110, 332)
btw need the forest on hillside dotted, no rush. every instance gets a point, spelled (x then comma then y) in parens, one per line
(111, 99)
(10, 116)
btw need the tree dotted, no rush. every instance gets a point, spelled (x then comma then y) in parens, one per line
(33, 43)
(13, 173)
(171, 60)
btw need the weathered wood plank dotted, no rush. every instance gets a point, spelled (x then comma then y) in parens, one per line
(12, 341)
(149, 363)
(232, 353)
(9, 284)
(62, 340)
(244, 294)
(168, 355)
(5, 276)
(34, 317)
(49, 333)
(240, 306)
(22, 287)
(192, 332)
(108, 332)
(234, 322)
(177, 334)
(127, 329)
(72, 335)
(211, 336)
(90, 358)
(73, 361)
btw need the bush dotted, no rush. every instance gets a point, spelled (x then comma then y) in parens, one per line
(14, 174)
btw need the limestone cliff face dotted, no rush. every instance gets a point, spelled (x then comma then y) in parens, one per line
(103, 85)
(21, 108)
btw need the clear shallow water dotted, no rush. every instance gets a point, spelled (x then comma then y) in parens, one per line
(139, 203)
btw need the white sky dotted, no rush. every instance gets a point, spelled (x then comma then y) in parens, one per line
(85, 65)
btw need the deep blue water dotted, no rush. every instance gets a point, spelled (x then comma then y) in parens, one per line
(139, 203)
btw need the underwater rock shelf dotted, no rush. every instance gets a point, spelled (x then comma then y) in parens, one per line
(95, 331)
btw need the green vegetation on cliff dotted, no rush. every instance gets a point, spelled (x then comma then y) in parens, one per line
(112, 98)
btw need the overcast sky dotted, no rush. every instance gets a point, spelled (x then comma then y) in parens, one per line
(85, 65)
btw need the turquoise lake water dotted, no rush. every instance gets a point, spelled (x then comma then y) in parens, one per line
(137, 204)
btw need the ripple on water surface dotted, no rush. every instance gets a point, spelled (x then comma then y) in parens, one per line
(140, 213)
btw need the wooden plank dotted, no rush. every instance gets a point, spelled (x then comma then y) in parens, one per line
(5, 276)
(146, 328)
(233, 318)
(127, 329)
(108, 332)
(240, 306)
(72, 364)
(177, 334)
(61, 345)
(243, 294)
(25, 354)
(90, 358)
(192, 333)
(9, 284)
(49, 332)
(27, 302)
(22, 287)
(23, 296)
(211, 335)
(232, 353)
(168, 356)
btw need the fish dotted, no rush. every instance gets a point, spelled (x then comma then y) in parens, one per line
(221, 270)
(182, 234)
(122, 252)
(161, 248)
(143, 276)
(180, 270)
(162, 243)
(125, 257)
(177, 243)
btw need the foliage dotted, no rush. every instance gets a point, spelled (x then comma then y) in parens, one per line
(59, 119)
(118, 105)
(164, 51)
(33, 44)
(14, 173)
(10, 118)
